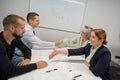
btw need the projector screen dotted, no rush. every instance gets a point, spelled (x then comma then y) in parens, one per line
(65, 15)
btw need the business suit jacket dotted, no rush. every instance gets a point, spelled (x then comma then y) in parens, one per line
(99, 63)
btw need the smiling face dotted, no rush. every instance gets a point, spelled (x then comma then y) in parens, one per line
(94, 41)
(98, 37)
(84, 33)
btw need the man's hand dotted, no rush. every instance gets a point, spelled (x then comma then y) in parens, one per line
(58, 42)
(41, 64)
(24, 62)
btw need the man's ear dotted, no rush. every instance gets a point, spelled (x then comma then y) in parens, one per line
(11, 28)
(30, 21)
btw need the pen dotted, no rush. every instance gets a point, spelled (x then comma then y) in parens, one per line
(77, 76)
(52, 70)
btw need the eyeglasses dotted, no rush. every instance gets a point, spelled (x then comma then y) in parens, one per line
(84, 32)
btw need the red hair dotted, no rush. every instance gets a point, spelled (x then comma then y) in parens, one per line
(101, 34)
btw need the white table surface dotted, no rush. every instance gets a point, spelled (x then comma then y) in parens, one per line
(67, 68)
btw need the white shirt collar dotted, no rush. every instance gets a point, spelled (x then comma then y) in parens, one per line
(28, 27)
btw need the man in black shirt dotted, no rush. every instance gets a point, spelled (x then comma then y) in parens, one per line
(9, 39)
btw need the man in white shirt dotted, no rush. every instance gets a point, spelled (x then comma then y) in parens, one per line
(30, 39)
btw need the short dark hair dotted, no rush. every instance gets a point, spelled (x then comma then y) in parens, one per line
(11, 19)
(31, 15)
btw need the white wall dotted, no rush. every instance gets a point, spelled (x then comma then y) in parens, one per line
(105, 14)
(99, 14)
(19, 7)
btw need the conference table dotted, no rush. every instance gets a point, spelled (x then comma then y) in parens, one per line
(61, 67)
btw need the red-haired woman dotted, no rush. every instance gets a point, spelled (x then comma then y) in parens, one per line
(97, 55)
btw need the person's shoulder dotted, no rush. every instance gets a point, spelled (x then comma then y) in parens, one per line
(2, 46)
(1, 39)
(17, 40)
(1, 35)
(103, 49)
(88, 45)
(28, 27)
(1, 42)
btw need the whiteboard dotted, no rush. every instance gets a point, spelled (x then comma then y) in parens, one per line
(66, 15)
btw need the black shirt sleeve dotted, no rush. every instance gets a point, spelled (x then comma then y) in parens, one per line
(7, 69)
(22, 47)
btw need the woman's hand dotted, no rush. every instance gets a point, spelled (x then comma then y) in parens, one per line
(87, 64)
(54, 53)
